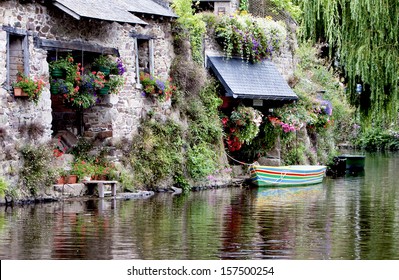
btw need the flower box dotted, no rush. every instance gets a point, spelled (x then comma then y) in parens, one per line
(18, 92)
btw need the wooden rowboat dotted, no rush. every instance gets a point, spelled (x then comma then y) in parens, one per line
(292, 175)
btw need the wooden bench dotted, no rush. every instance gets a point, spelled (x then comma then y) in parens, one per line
(101, 186)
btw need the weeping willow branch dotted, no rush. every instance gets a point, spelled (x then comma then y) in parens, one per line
(365, 35)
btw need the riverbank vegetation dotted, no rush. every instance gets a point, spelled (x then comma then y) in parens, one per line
(185, 142)
(362, 39)
(310, 129)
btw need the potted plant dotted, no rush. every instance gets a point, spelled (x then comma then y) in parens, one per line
(105, 64)
(156, 88)
(103, 170)
(62, 176)
(83, 169)
(64, 68)
(115, 83)
(60, 86)
(26, 86)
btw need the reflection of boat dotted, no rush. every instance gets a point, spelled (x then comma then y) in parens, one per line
(273, 196)
(287, 175)
(354, 163)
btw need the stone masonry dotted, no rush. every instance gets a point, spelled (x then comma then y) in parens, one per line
(116, 117)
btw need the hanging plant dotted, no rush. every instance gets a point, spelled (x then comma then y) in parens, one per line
(156, 88)
(253, 39)
(242, 126)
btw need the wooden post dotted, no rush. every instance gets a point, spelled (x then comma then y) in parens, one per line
(113, 189)
(101, 190)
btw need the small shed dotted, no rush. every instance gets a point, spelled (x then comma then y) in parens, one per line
(257, 84)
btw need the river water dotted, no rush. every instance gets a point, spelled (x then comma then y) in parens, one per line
(353, 217)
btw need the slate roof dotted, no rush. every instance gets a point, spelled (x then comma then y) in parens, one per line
(112, 10)
(146, 7)
(242, 79)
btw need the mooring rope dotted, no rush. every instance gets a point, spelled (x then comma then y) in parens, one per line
(243, 163)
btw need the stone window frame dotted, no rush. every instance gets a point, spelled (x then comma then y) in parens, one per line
(12, 31)
(150, 40)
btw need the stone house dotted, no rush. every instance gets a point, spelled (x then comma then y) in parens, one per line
(32, 33)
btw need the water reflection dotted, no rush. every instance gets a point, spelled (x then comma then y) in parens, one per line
(354, 217)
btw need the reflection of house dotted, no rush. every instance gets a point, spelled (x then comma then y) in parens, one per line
(35, 32)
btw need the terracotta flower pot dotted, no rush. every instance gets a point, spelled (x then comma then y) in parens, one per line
(72, 179)
(20, 93)
(61, 180)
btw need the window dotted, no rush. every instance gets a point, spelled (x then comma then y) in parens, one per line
(221, 10)
(144, 50)
(17, 54)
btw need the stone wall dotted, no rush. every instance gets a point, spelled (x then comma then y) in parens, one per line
(17, 115)
(115, 117)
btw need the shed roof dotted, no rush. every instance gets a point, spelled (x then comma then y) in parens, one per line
(242, 79)
(147, 7)
(112, 10)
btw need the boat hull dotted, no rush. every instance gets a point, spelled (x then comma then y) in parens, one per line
(293, 175)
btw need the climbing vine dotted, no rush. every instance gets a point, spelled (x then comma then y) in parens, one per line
(193, 23)
(364, 35)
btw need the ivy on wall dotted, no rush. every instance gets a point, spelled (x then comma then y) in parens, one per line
(193, 23)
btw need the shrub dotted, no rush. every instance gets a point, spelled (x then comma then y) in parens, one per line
(38, 169)
(3, 186)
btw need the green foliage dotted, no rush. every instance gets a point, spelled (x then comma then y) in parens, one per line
(156, 88)
(3, 186)
(365, 35)
(68, 65)
(201, 160)
(82, 148)
(377, 139)
(246, 121)
(127, 180)
(251, 38)
(33, 87)
(156, 152)
(244, 5)
(193, 23)
(290, 7)
(205, 131)
(260, 145)
(105, 61)
(181, 182)
(201, 127)
(116, 83)
(159, 152)
(38, 170)
(294, 154)
(316, 81)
